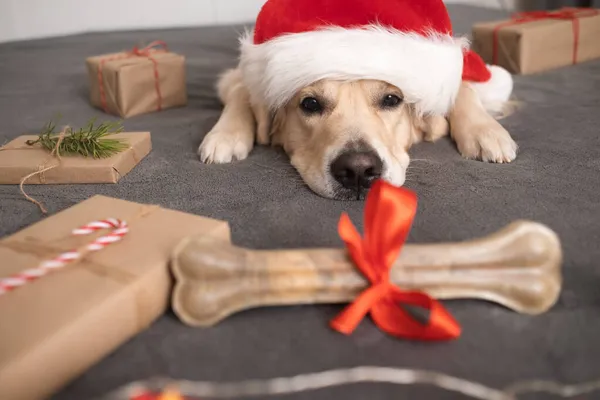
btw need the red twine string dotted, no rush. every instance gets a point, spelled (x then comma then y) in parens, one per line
(154, 47)
(389, 213)
(566, 13)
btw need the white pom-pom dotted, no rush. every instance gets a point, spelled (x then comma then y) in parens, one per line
(495, 92)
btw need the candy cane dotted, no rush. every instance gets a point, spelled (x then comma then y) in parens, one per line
(120, 229)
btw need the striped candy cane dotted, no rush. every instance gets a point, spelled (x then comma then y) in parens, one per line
(120, 229)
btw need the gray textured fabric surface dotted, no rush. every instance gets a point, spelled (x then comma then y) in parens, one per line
(555, 180)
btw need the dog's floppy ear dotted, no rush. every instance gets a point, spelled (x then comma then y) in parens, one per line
(278, 119)
(435, 127)
(263, 123)
(428, 127)
(228, 84)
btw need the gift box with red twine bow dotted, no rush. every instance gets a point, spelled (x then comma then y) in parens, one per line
(138, 81)
(536, 41)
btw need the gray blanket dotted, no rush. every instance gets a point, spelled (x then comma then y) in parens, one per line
(555, 180)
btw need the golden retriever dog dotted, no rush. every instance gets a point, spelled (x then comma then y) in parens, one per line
(343, 132)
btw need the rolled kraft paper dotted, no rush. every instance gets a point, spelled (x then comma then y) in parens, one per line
(518, 267)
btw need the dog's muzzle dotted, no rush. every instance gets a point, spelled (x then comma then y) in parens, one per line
(356, 170)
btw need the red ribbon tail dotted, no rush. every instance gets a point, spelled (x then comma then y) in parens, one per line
(393, 319)
(349, 319)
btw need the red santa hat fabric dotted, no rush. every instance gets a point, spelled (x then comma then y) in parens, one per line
(407, 43)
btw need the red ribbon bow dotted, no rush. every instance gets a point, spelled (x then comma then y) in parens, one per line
(389, 213)
(154, 47)
(566, 13)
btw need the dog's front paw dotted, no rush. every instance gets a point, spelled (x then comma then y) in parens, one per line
(222, 147)
(489, 144)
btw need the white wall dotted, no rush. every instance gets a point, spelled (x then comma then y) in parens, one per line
(29, 19)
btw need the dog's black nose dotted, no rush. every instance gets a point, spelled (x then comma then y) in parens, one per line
(357, 170)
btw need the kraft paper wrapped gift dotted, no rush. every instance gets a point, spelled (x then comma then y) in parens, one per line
(537, 41)
(58, 326)
(18, 160)
(137, 82)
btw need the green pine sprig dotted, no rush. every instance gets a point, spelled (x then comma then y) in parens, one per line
(90, 141)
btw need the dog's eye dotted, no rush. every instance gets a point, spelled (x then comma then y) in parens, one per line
(390, 101)
(310, 105)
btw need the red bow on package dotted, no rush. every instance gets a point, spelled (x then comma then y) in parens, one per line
(389, 213)
(567, 13)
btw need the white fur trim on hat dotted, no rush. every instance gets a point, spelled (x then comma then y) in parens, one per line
(428, 69)
(495, 92)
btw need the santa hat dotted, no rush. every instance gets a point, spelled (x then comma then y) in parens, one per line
(407, 43)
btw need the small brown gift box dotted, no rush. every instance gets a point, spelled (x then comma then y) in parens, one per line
(56, 327)
(537, 41)
(18, 159)
(138, 81)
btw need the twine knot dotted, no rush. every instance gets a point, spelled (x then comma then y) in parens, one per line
(42, 168)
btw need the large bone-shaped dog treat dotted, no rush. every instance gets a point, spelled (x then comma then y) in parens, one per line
(518, 267)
